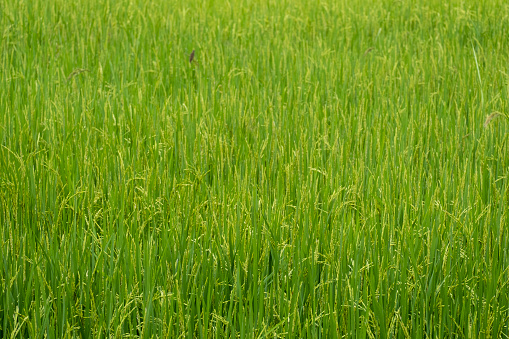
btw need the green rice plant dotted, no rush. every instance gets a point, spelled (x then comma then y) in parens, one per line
(254, 169)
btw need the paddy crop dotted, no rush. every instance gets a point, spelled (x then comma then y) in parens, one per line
(254, 169)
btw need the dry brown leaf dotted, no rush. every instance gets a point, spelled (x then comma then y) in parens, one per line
(368, 50)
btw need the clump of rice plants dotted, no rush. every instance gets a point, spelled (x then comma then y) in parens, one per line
(254, 169)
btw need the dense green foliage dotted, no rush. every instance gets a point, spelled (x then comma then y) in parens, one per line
(320, 170)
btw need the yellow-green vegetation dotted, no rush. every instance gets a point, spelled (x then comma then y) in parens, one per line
(329, 169)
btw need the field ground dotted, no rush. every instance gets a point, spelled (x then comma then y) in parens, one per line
(320, 169)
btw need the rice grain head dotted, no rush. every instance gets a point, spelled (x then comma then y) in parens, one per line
(490, 117)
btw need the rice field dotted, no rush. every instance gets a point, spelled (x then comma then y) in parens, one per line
(254, 169)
